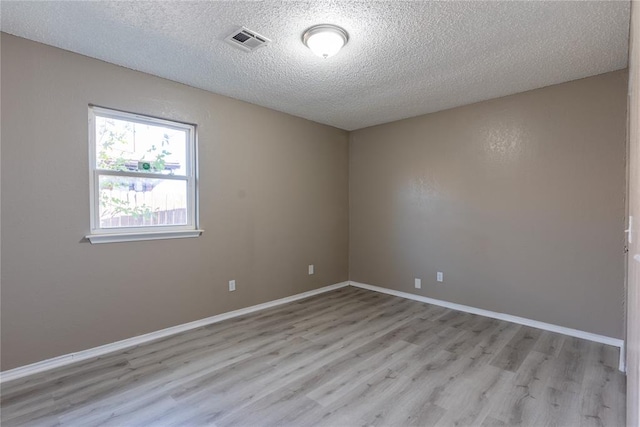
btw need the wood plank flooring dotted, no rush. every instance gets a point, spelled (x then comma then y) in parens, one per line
(348, 357)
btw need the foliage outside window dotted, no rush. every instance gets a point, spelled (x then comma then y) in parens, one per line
(142, 173)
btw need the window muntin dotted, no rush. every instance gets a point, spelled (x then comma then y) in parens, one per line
(142, 173)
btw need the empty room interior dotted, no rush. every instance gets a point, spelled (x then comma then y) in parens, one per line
(320, 213)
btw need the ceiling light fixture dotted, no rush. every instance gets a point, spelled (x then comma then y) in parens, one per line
(325, 40)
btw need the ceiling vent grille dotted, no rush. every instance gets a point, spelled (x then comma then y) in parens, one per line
(247, 40)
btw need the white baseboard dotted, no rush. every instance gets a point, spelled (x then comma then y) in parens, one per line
(616, 342)
(102, 350)
(56, 362)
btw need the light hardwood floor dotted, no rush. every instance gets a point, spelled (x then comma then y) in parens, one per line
(348, 357)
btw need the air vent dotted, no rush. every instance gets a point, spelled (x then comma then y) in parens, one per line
(247, 40)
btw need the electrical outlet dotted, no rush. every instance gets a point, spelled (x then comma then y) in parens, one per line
(418, 283)
(440, 276)
(232, 285)
(311, 269)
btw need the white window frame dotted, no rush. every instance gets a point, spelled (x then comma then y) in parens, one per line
(155, 232)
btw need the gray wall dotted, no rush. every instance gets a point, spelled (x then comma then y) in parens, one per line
(518, 200)
(273, 193)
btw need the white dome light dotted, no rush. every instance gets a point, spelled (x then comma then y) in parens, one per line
(325, 40)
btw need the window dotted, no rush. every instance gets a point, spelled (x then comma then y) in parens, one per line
(143, 177)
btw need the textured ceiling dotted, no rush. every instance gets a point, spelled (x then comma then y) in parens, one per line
(403, 59)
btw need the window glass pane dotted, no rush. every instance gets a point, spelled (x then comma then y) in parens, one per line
(141, 202)
(128, 146)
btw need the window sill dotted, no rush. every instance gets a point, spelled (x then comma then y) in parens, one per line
(134, 237)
